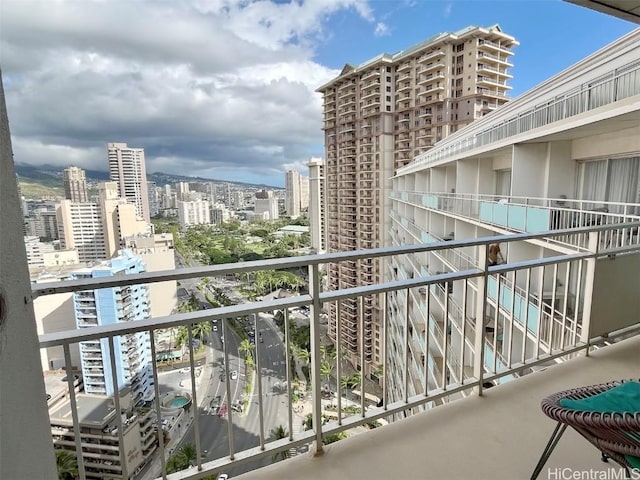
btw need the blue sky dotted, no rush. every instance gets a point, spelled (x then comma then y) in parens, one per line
(553, 34)
(225, 89)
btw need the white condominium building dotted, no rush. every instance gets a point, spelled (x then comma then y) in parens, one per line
(194, 213)
(317, 219)
(377, 117)
(127, 168)
(96, 230)
(292, 193)
(266, 205)
(563, 155)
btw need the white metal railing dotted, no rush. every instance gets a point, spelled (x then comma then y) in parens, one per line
(545, 347)
(535, 214)
(616, 85)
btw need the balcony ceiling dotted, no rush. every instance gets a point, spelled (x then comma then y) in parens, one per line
(625, 9)
(498, 436)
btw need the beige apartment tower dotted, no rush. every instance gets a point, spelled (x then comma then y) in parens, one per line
(377, 117)
(127, 168)
(75, 184)
(317, 218)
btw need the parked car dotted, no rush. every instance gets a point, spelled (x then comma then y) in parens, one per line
(215, 403)
(234, 375)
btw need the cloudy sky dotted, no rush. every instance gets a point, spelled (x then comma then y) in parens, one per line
(224, 89)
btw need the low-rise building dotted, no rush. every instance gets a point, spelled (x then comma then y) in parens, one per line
(106, 452)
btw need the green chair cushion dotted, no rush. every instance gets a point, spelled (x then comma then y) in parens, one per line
(623, 398)
(633, 461)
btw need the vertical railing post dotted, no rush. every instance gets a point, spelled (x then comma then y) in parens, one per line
(481, 306)
(287, 354)
(74, 410)
(589, 277)
(259, 378)
(385, 319)
(156, 389)
(116, 401)
(194, 397)
(314, 291)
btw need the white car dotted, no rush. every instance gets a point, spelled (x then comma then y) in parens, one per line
(215, 328)
(234, 375)
(222, 476)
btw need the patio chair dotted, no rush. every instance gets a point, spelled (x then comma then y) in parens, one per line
(607, 415)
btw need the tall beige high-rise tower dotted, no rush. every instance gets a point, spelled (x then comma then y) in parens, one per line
(127, 168)
(75, 184)
(292, 193)
(317, 219)
(377, 117)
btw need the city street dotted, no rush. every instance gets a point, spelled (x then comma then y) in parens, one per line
(246, 425)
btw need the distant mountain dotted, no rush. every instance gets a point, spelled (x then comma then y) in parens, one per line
(51, 177)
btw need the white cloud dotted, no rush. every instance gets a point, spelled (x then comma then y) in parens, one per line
(448, 7)
(381, 30)
(202, 85)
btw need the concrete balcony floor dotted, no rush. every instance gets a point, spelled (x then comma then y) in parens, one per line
(498, 436)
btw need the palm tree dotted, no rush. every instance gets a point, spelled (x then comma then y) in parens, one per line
(246, 348)
(201, 330)
(181, 335)
(188, 453)
(67, 465)
(276, 434)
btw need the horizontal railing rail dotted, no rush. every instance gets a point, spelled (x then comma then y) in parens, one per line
(344, 300)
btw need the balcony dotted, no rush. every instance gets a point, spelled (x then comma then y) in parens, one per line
(534, 214)
(474, 423)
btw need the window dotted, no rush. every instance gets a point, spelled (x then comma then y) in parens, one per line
(503, 183)
(460, 47)
(610, 180)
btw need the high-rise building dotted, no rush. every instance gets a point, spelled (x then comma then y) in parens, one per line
(154, 207)
(75, 184)
(533, 166)
(266, 204)
(304, 193)
(182, 189)
(127, 168)
(292, 193)
(96, 230)
(196, 212)
(317, 221)
(108, 306)
(377, 117)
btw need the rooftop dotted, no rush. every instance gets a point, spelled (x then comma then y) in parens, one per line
(93, 411)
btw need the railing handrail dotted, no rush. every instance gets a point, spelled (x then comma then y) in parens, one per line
(98, 332)
(481, 133)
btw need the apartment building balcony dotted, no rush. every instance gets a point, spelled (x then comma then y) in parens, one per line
(492, 82)
(370, 111)
(345, 92)
(422, 443)
(501, 72)
(489, 46)
(370, 94)
(429, 67)
(405, 66)
(371, 74)
(404, 87)
(494, 59)
(535, 214)
(427, 78)
(430, 56)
